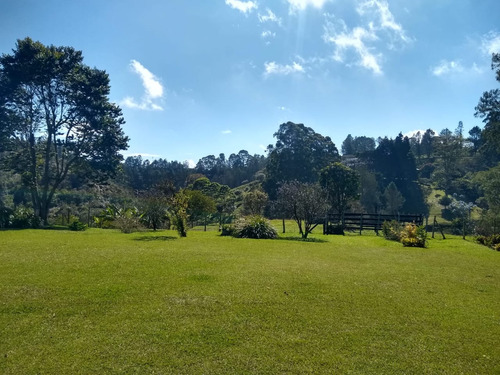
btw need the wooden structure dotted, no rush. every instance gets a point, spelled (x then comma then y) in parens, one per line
(359, 222)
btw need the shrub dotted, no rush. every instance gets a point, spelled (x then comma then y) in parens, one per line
(391, 230)
(23, 217)
(492, 241)
(413, 235)
(77, 226)
(255, 227)
(228, 230)
(335, 229)
(445, 201)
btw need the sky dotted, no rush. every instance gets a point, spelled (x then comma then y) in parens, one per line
(204, 77)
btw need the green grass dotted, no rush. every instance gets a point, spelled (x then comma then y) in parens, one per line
(150, 303)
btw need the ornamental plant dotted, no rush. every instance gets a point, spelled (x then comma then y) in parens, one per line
(413, 235)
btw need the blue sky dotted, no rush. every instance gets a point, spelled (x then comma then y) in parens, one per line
(203, 77)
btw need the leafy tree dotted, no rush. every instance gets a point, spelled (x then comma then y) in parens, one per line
(305, 203)
(475, 138)
(341, 184)
(56, 114)
(426, 144)
(450, 153)
(300, 154)
(254, 202)
(394, 200)
(347, 147)
(200, 206)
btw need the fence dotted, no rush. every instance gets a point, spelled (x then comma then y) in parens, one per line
(356, 221)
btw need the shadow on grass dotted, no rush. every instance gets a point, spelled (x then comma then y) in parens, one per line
(155, 238)
(300, 239)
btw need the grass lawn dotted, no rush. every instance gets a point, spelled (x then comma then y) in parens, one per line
(151, 303)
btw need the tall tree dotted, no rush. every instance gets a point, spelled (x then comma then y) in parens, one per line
(488, 109)
(300, 154)
(57, 114)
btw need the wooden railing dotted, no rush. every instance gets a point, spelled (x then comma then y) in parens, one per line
(356, 221)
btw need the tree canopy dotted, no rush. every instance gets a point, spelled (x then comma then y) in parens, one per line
(300, 154)
(55, 114)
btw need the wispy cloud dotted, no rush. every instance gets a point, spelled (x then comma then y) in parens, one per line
(242, 6)
(272, 67)
(153, 89)
(355, 40)
(381, 18)
(269, 16)
(453, 67)
(267, 34)
(490, 43)
(226, 132)
(298, 5)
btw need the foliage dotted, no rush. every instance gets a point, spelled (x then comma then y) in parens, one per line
(357, 145)
(489, 223)
(299, 154)
(77, 226)
(128, 220)
(23, 217)
(413, 235)
(5, 216)
(200, 206)
(305, 203)
(492, 241)
(56, 114)
(255, 226)
(392, 230)
(445, 200)
(341, 184)
(254, 202)
(394, 200)
(228, 230)
(178, 213)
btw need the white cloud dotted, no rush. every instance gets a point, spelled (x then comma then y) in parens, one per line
(242, 6)
(269, 17)
(226, 132)
(190, 163)
(273, 68)
(153, 89)
(491, 43)
(267, 34)
(446, 68)
(356, 39)
(385, 19)
(297, 5)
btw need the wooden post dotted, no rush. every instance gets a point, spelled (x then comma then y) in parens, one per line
(433, 226)
(361, 224)
(283, 225)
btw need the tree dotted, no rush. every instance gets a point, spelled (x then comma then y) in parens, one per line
(56, 114)
(341, 184)
(394, 200)
(300, 154)
(200, 206)
(305, 203)
(254, 202)
(488, 108)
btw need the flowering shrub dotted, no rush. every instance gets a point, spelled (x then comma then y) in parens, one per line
(391, 230)
(413, 236)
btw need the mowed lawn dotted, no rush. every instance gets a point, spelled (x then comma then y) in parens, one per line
(99, 302)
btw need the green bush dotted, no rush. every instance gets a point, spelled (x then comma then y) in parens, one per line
(77, 226)
(413, 235)
(228, 230)
(392, 230)
(24, 217)
(492, 241)
(255, 227)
